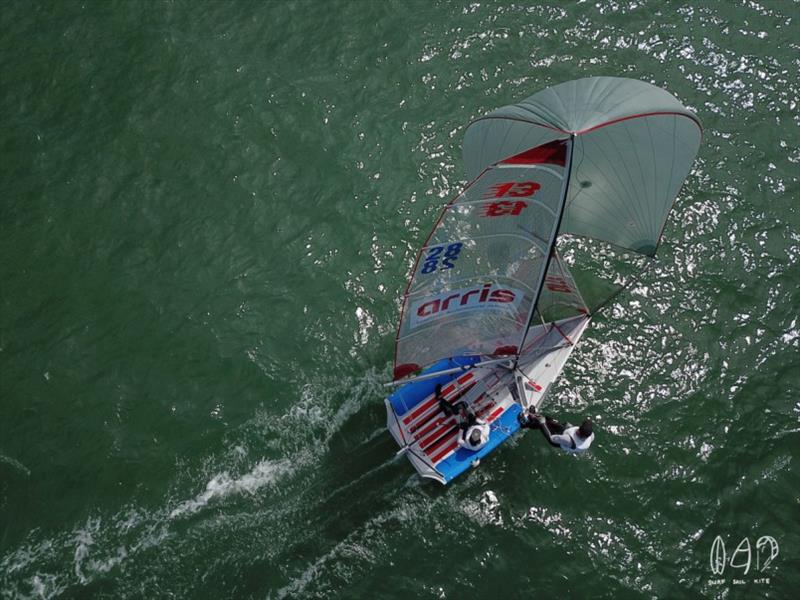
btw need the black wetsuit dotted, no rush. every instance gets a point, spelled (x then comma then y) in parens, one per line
(447, 408)
(548, 428)
(454, 410)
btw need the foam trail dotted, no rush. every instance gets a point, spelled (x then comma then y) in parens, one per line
(16, 464)
(222, 485)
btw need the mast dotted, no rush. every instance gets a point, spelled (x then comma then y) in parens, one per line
(550, 246)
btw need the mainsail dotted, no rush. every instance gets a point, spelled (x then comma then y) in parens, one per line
(478, 276)
(598, 160)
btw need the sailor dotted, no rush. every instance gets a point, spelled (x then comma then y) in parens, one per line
(474, 432)
(568, 437)
(444, 405)
(462, 414)
(475, 437)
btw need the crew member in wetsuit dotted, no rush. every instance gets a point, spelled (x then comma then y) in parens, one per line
(570, 438)
(459, 410)
(474, 433)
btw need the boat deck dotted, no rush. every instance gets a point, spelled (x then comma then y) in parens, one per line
(431, 438)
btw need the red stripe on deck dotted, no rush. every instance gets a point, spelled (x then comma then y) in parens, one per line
(420, 409)
(483, 410)
(443, 454)
(530, 384)
(497, 412)
(430, 422)
(447, 427)
(447, 436)
(428, 403)
(431, 425)
(448, 422)
(425, 418)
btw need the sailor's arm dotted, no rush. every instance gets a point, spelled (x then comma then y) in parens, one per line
(548, 436)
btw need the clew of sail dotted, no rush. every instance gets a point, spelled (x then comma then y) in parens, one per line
(477, 278)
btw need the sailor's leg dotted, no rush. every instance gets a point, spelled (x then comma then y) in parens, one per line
(547, 435)
(445, 407)
(527, 420)
(554, 426)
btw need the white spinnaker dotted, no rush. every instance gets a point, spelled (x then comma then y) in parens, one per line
(634, 146)
(626, 177)
(478, 275)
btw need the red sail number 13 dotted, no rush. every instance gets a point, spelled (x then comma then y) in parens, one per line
(513, 189)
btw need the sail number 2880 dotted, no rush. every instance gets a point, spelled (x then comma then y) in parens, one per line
(434, 255)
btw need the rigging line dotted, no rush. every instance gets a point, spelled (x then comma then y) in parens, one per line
(544, 334)
(552, 244)
(429, 464)
(547, 330)
(542, 351)
(521, 372)
(567, 276)
(634, 279)
(565, 336)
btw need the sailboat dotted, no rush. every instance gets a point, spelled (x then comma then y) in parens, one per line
(569, 194)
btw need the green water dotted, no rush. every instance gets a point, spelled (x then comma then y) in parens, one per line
(208, 213)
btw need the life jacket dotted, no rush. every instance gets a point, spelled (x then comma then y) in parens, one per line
(578, 445)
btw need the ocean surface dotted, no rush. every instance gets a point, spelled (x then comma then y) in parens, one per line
(207, 213)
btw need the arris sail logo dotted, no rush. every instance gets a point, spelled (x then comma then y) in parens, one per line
(486, 297)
